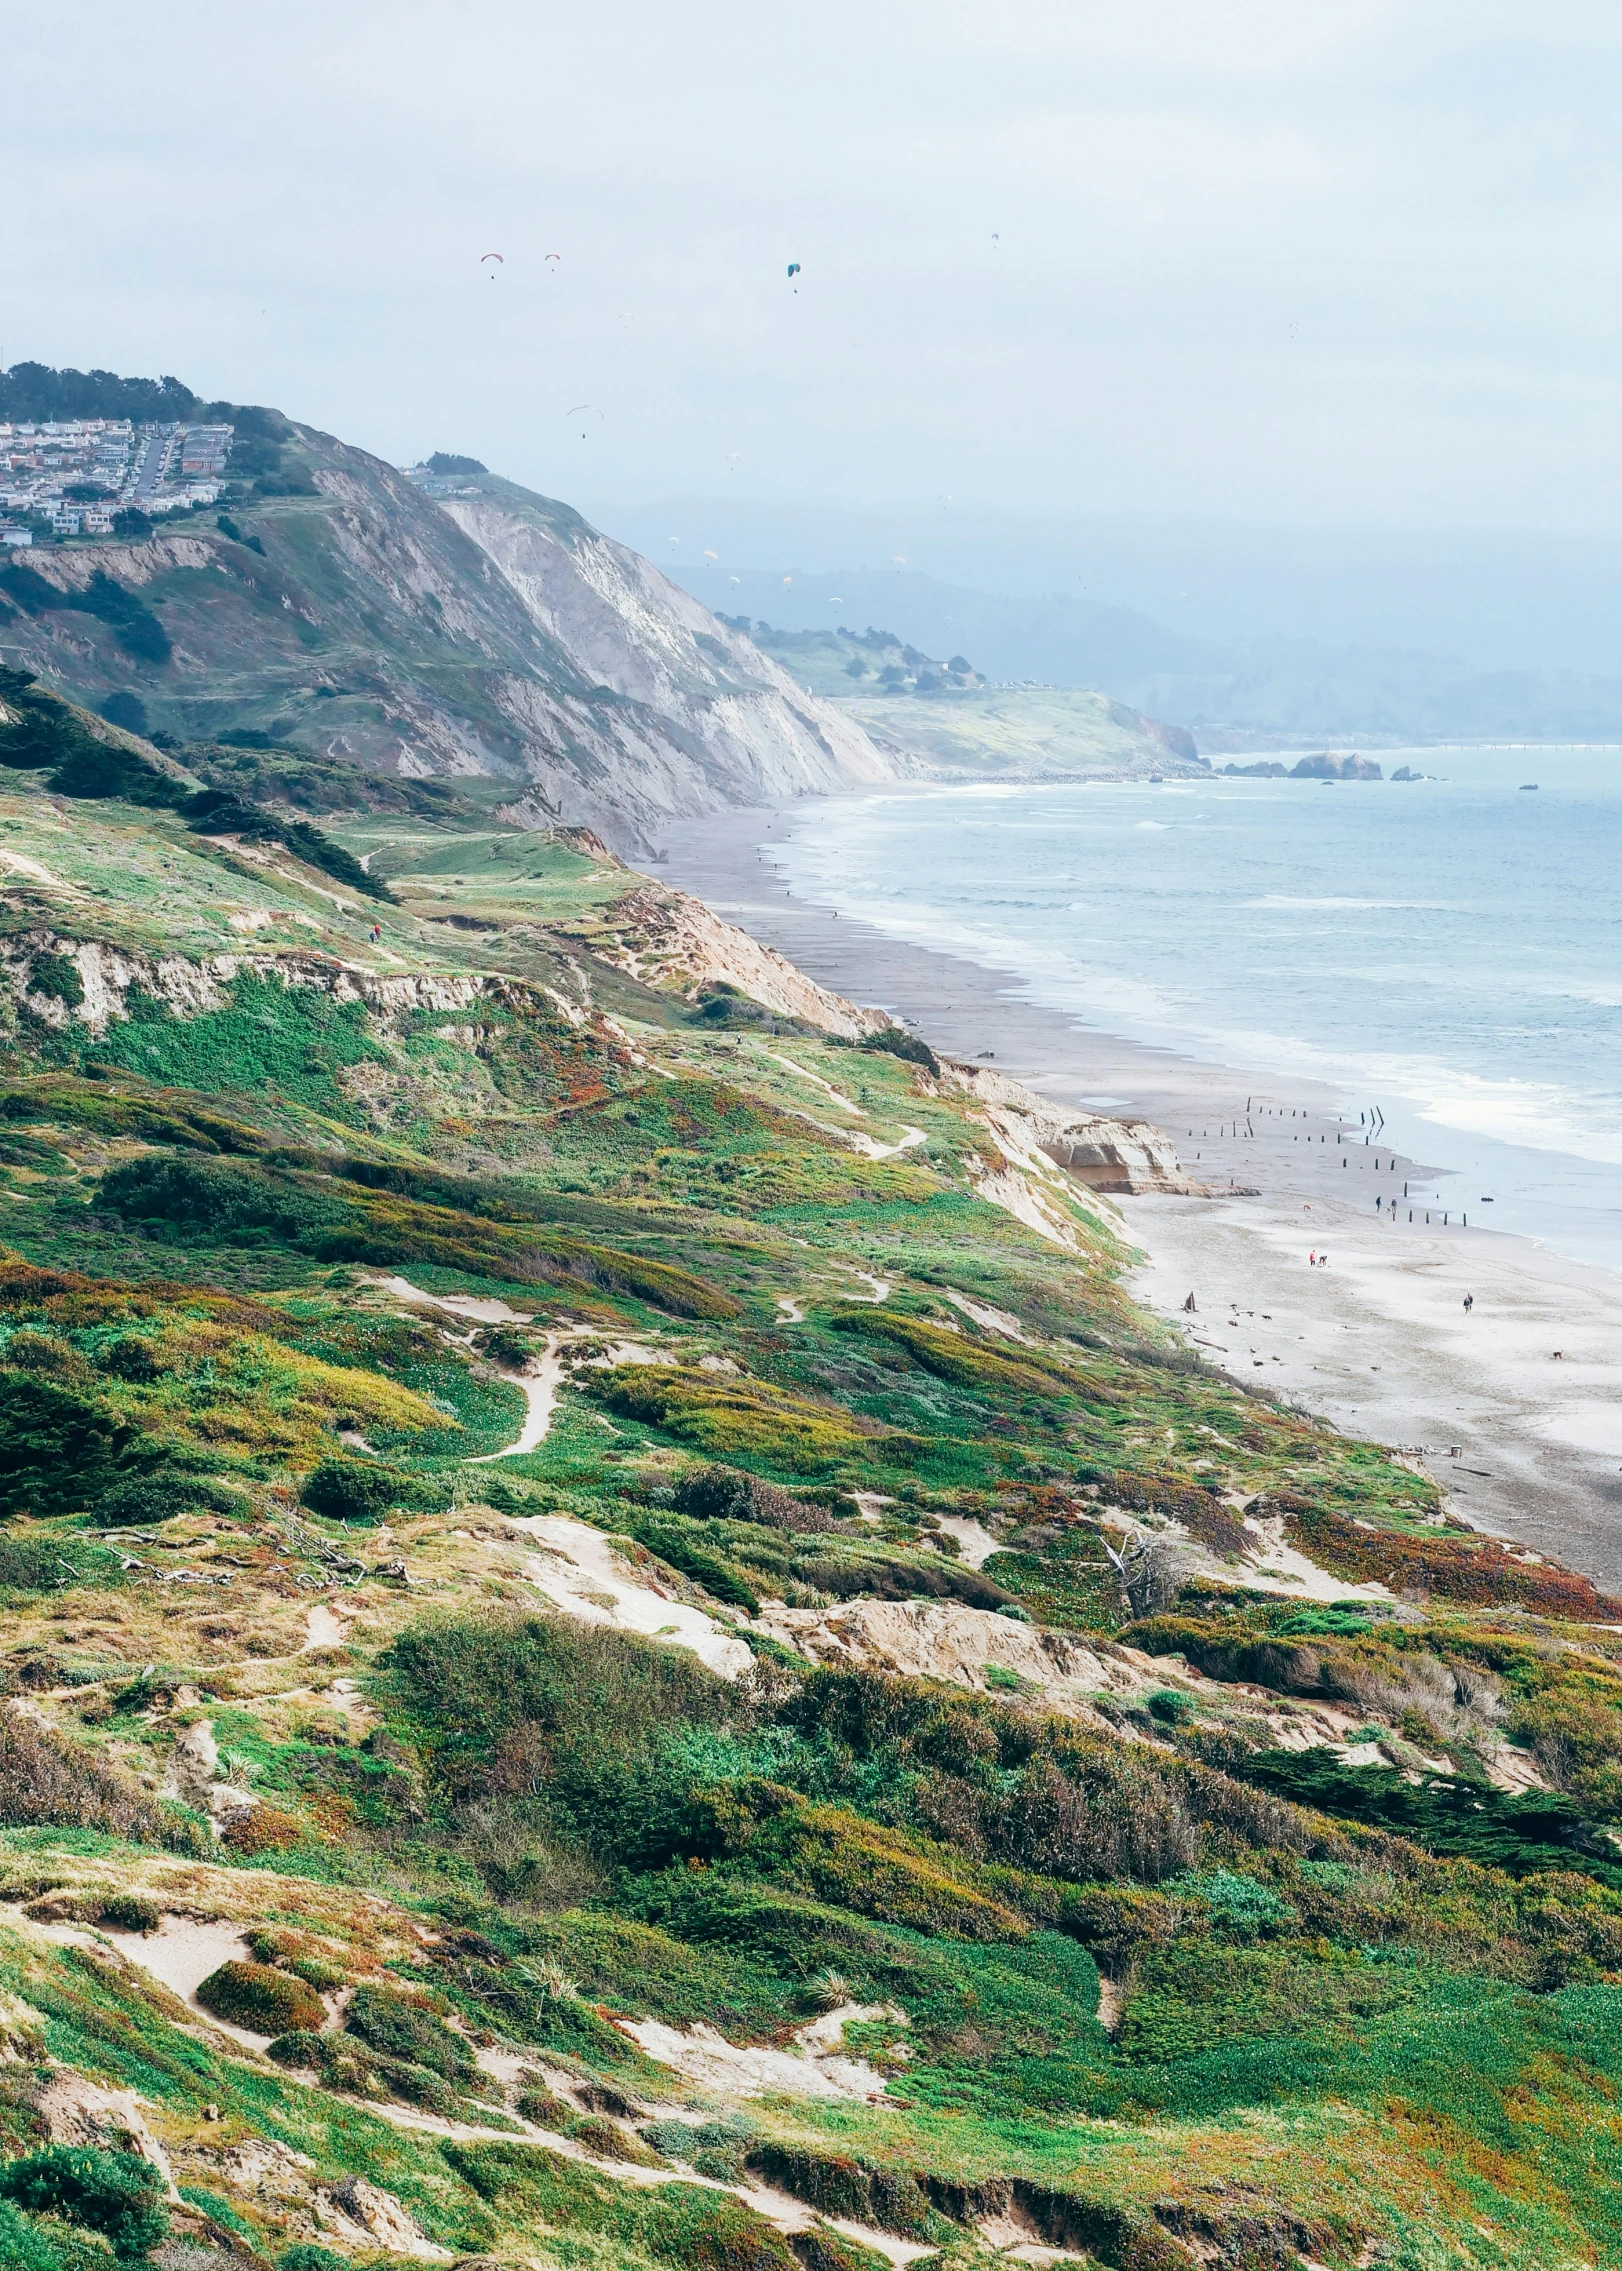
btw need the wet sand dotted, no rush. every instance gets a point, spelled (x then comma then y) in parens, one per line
(1378, 1341)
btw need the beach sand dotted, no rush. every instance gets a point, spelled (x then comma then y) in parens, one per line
(1378, 1341)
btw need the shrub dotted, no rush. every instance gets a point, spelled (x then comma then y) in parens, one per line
(544, 2106)
(48, 1782)
(118, 2195)
(306, 2256)
(155, 1497)
(894, 1041)
(58, 1451)
(262, 1829)
(57, 979)
(399, 2028)
(126, 710)
(130, 1912)
(132, 622)
(726, 1494)
(23, 2247)
(262, 1999)
(364, 1490)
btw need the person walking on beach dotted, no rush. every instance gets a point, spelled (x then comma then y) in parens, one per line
(1469, 1303)
(1312, 1261)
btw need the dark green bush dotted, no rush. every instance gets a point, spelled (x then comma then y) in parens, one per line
(262, 1999)
(398, 2028)
(130, 1912)
(544, 2106)
(132, 622)
(306, 2256)
(57, 979)
(156, 1497)
(116, 2194)
(364, 1490)
(125, 710)
(894, 1041)
(58, 1452)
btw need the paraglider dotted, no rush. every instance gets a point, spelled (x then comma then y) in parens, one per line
(584, 409)
(712, 555)
(483, 257)
(793, 270)
(554, 256)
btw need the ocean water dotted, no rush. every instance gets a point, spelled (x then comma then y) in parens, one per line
(1448, 951)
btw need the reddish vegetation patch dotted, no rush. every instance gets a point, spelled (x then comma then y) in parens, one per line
(1479, 1570)
(262, 1829)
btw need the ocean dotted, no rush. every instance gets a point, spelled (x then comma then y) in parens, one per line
(1446, 953)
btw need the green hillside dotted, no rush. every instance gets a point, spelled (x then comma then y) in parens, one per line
(844, 1791)
(335, 610)
(1025, 733)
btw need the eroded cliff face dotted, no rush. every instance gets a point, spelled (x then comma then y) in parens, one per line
(749, 732)
(497, 635)
(1099, 1153)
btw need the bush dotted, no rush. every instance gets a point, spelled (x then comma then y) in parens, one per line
(58, 1452)
(156, 1497)
(545, 2107)
(399, 2028)
(125, 710)
(116, 2194)
(262, 1999)
(364, 1490)
(46, 1781)
(130, 1912)
(132, 622)
(306, 2256)
(726, 1494)
(893, 1041)
(23, 2247)
(57, 979)
(262, 1829)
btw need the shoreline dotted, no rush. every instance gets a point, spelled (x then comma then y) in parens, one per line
(1378, 1342)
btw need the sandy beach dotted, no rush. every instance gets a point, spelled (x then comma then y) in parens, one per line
(1378, 1340)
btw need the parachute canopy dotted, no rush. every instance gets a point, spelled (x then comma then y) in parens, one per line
(484, 256)
(794, 268)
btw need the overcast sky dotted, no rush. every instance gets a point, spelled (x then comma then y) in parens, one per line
(1338, 264)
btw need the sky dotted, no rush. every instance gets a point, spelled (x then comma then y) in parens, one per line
(1350, 265)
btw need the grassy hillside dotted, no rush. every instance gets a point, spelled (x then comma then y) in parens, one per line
(1025, 734)
(337, 613)
(841, 663)
(849, 1789)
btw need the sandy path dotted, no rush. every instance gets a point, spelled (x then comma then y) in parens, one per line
(182, 1953)
(910, 1139)
(540, 1391)
(578, 1569)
